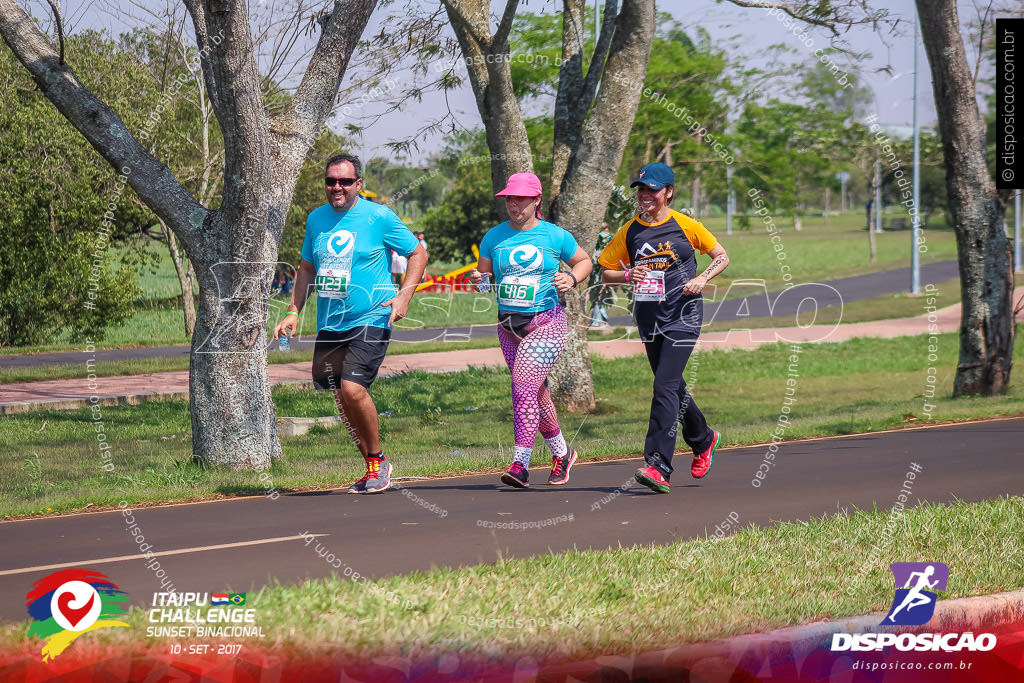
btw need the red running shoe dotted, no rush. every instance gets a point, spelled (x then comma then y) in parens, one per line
(652, 479)
(702, 461)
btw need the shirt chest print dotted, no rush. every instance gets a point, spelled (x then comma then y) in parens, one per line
(660, 258)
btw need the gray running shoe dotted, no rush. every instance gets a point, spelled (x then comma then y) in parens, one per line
(359, 486)
(378, 475)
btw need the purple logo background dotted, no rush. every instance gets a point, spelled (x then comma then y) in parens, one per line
(902, 571)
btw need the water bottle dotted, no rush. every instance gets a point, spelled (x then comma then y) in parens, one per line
(485, 283)
(283, 344)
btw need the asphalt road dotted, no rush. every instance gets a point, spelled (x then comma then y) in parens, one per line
(758, 303)
(448, 522)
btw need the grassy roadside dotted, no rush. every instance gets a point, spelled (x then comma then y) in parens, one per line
(455, 422)
(752, 581)
(148, 365)
(886, 307)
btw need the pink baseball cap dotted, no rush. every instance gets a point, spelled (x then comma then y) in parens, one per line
(521, 185)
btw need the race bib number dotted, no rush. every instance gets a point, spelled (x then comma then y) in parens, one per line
(519, 292)
(332, 283)
(651, 288)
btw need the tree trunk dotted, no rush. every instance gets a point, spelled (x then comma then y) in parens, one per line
(983, 251)
(185, 279)
(871, 232)
(228, 382)
(589, 179)
(487, 63)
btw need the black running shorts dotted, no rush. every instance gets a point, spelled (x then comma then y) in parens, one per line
(354, 355)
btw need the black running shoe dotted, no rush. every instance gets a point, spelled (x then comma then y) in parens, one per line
(560, 469)
(517, 476)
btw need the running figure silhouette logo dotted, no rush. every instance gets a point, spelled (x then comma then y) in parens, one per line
(916, 583)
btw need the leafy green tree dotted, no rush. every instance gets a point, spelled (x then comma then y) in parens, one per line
(309, 194)
(62, 212)
(792, 147)
(467, 210)
(682, 117)
(235, 245)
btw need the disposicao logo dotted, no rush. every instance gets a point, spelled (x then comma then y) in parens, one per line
(913, 605)
(71, 602)
(916, 583)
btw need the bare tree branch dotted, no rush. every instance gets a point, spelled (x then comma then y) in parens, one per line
(478, 32)
(104, 130)
(225, 37)
(604, 41)
(505, 26)
(783, 7)
(60, 30)
(981, 43)
(308, 109)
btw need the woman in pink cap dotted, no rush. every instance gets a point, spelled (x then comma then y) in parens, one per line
(522, 255)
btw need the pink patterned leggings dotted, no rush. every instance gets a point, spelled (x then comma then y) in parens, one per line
(530, 355)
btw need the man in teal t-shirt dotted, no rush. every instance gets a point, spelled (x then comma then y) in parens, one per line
(346, 257)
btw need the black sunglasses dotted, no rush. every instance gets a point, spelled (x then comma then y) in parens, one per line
(345, 182)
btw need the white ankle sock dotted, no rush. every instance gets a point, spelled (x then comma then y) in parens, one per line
(557, 445)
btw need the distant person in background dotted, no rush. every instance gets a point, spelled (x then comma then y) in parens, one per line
(399, 264)
(522, 255)
(598, 290)
(657, 252)
(423, 243)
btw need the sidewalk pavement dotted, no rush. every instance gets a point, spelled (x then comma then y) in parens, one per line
(68, 394)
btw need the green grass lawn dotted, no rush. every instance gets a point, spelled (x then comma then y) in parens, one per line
(755, 580)
(820, 252)
(460, 422)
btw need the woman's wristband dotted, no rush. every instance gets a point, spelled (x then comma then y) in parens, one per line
(291, 313)
(574, 280)
(625, 274)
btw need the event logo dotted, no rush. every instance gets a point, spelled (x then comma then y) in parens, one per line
(340, 243)
(645, 250)
(71, 602)
(526, 258)
(914, 602)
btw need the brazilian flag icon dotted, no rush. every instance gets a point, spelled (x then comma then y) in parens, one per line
(236, 598)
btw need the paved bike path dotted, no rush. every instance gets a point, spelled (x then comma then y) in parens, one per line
(465, 521)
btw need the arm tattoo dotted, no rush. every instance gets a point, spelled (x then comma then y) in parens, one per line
(711, 268)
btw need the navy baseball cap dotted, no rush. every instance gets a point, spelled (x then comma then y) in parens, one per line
(655, 176)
